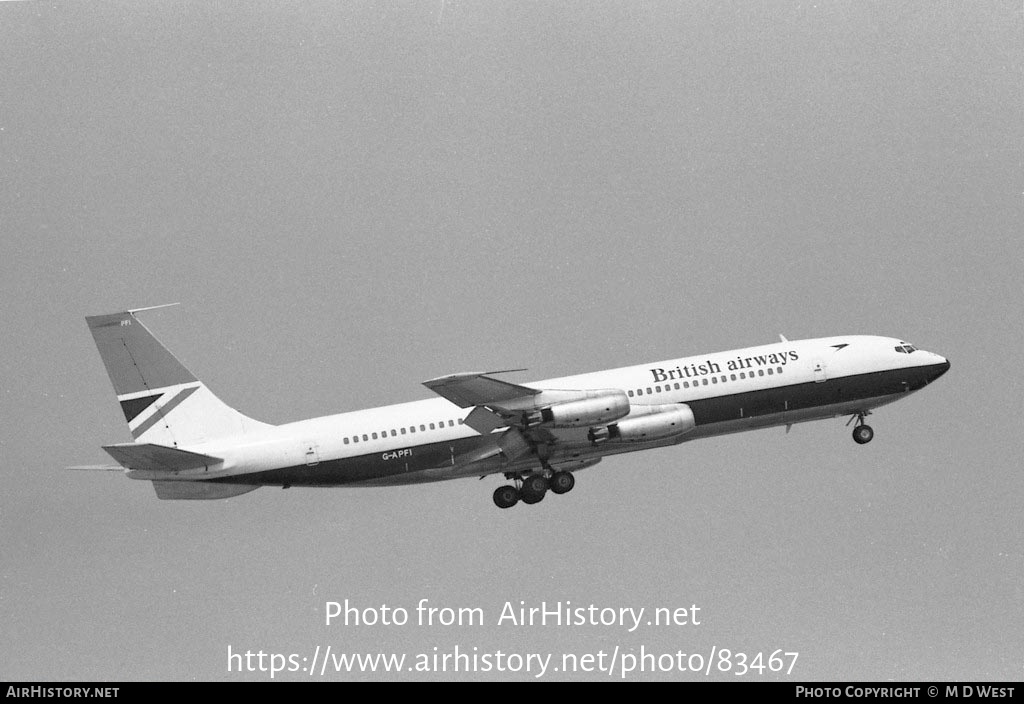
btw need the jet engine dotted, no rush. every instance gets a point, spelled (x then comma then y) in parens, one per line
(603, 407)
(663, 424)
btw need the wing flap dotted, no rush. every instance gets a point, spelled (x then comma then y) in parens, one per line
(484, 421)
(158, 458)
(510, 445)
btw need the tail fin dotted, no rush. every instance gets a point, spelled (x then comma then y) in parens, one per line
(161, 399)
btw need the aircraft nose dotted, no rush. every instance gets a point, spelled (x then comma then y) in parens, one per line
(940, 368)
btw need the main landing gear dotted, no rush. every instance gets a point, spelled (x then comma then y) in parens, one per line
(862, 433)
(531, 489)
(506, 496)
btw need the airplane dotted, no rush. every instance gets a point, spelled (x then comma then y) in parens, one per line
(191, 445)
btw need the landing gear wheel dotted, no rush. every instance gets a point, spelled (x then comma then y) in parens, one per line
(534, 488)
(562, 482)
(506, 496)
(862, 434)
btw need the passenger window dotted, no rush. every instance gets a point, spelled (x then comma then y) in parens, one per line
(677, 386)
(770, 371)
(346, 440)
(714, 380)
(365, 438)
(649, 392)
(423, 428)
(686, 384)
(460, 421)
(394, 432)
(374, 436)
(355, 438)
(705, 382)
(630, 393)
(639, 392)
(412, 428)
(760, 372)
(432, 426)
(733, 377)
(743, 375)
(657, 389)
(451, 424)
(778, 370)
(403, 431)
(723, 378)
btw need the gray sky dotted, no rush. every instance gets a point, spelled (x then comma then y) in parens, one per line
(351, 198)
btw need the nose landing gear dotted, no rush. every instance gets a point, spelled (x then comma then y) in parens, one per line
(862, 433)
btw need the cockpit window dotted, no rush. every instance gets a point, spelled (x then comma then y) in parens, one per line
(905, 348)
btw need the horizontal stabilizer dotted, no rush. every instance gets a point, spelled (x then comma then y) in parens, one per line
(200, 490)
(158, 458)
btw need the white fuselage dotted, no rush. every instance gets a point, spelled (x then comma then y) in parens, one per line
(782, 383)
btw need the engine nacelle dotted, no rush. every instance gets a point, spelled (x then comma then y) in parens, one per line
(647, 428)
(601, 408)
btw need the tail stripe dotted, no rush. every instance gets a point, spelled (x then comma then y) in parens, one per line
(134, 406)
(162, 410)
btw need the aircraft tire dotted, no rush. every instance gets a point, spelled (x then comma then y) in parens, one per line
(529, 498)
(562, 482)
(862, 434)
(534, 488)
(506, 496)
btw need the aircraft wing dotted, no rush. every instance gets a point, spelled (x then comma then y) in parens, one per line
(97, 468)
(477, 389)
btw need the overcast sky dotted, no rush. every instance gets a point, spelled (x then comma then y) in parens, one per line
(350, 198)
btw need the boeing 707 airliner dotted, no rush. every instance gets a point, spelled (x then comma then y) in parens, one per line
(192, 445)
